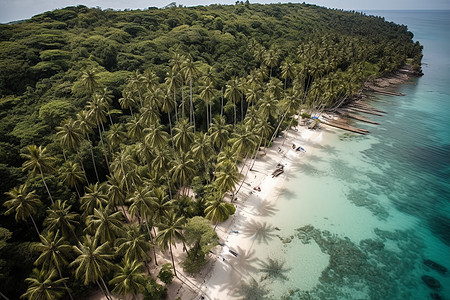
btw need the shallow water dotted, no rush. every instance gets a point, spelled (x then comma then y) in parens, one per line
(359, 214)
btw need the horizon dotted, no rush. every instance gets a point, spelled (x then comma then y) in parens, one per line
(14, 11)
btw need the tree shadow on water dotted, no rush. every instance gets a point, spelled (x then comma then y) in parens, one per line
(274, 269)
(259, 231)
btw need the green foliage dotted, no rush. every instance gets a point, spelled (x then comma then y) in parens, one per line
(166, 274)
(154, 291)
(56, 111)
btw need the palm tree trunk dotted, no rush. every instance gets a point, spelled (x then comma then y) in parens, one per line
(175, 101)
(192, 105)
(93, 159)
(151, 237)
(35, 227)
(170, 125)
(256, 153)
(78, 192)
(46, 187)
(65, 285)
(221, 99)
(182, 101)
(106, 288)
(173, 262)
(242, 107)
(103, 291)
(84, 170)
(103, 145)
(6, 298)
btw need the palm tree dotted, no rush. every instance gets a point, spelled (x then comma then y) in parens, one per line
(105, 226)
(136, 84)
(233, 93)
(218, 210)
(129, 279)
(207, 93)
(173, 81)
(220, 131)
(127, 101)
(23, 204)
(170, 230)
(134, 244)
(97, 113)
(71, 175)
(155, 136)
(227, 176)
(116, 136)
(168, 105)
(243, 141)
(42, 286)
(69, 135)
(123, 166)
(85, 125)
(202, 149)
(161, 165)
(183, 169)
(183, 135)
(115, 193)
(149, 115)
(190, 72)
(135, 128)
(94, 197)
(55, 252)
(93, 262)
(38, 161)
(60, 218)
(271, 59)
(89, 80)
(287, 71)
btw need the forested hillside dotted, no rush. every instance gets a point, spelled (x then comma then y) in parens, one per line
(103, 112)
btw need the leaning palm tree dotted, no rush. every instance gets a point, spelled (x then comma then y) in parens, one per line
(23, 204)
(42, 285)
(129, 279)
(92, 262)
(55, 253)
(170, 230)
(218, 210)
(37, 160)
(60, 218)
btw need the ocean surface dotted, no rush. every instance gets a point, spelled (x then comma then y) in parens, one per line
(360, 214)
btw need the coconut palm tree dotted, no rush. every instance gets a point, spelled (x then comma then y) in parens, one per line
(190, 70)
(135, 128)
(134, 245)
(207, 92)
(183, 135)
(227, 176)
(85, 125)
(115, 136)
(183, 169)
(72, 175)
(42, 286)
(129, 279)
(271, 58)
(173, 81)
(155, 136)
(104, 225)
(149, 115)
(219, 131)
(60, 218)
(89, 80)
(170, 230)
(23, 204)
(161, 165)
(218, 210)
(115, 193)
(127, 101)
(287, 71)
(55, 254)
(202, 150)
(37, 160)
(233, 93)
(92, 262)
(69, 135)
(94, 197)
(168, 105)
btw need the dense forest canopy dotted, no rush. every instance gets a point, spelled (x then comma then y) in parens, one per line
(104, 111)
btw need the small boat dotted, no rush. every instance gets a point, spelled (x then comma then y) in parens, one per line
(277, 172)
(299, 148)
(232, 252)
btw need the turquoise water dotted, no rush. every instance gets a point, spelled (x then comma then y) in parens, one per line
(359, 214)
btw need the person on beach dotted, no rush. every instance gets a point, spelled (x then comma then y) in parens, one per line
(293, 146)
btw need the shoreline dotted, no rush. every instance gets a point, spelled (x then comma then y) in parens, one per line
(225, 272)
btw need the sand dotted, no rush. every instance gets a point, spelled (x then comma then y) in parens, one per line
(225, 272)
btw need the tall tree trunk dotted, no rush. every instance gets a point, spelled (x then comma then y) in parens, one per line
(103, 291)
(35, 227)
(170, 125)
(175, 101)
(106, 288)
(221, 107)
(4, 297)
(173, 262)
(65, 285)
(46, 187)
(256, 153)
(82, 168)
(151, 238)
(103, 146)
(93, 159)
(192, 104)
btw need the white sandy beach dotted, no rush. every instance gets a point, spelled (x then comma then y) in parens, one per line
(226, 272)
